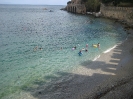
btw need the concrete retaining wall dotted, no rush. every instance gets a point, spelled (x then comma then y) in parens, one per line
(121, 13)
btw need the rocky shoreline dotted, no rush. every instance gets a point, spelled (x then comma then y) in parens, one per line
(119, 86)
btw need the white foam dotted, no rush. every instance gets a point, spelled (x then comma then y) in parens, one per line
(96, 58)
(108, 50)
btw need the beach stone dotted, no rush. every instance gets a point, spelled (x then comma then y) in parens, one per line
(112, 85)
(40, 92)
(99, 93)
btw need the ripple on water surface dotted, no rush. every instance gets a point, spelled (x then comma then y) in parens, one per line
(36, 45)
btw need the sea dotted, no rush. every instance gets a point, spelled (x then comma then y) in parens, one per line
(37, 45)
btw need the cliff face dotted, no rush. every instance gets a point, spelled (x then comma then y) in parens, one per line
(121, 13)
(76, 6)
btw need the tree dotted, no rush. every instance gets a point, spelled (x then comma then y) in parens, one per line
(68, 2)
(92, 5)
(96, 4)
(116, 2)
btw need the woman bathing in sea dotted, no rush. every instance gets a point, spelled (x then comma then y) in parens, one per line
(98, 45)
(80, 53)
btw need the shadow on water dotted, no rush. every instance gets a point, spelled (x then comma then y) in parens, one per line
(78, 84)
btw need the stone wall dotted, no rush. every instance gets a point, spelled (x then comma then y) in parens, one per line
(76, 6)
(121, 13)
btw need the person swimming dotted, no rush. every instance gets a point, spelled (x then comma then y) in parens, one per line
(86, 45)
(98, 45)
(35, 48)
(41, 48)
(74, 48)
(86, 50)
(83, 49)
(80, 53)
(61, 48)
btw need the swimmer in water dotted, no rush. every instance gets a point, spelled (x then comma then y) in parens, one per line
(61, 48)
(40, 48)
(35, 48)
(75, 47)
(83, 49)
(80, 53)
(98, 45)
(86, 45)
(86, 50)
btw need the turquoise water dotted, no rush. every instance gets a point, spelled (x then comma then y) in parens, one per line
(31, 39)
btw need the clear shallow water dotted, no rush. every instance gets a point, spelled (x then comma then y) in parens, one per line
(23, 28)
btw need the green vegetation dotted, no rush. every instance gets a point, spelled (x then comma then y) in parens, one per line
(94, 5)
(68, 2)
(119, 2)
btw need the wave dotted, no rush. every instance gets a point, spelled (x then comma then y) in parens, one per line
(108, 50)
(98, 56)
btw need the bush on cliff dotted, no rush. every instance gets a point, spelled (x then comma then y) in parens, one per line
(92, 5)
(118, 2)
